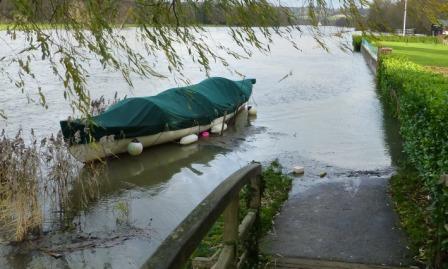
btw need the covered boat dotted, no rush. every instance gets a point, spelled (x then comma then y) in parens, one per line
(168, 116)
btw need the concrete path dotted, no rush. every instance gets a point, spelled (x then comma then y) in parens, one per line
(332, 223)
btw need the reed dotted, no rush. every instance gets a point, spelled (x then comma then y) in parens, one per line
(36, 172)
(100, 105)
(19, 171)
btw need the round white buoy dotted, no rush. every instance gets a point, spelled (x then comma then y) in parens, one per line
(252, 111)
(216, 129)
(135, 148)
(188, 139)
(298, 170)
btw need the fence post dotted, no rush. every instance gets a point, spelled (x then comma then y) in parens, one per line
(255, 185)
(227, 258)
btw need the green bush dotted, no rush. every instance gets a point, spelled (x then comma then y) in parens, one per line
(356, 41)
(411, 203)
(420, 101)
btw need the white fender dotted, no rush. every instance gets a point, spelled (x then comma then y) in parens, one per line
(135, 148)
(252, 111)
(188, 139)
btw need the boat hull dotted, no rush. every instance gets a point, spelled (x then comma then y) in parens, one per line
(109, 147)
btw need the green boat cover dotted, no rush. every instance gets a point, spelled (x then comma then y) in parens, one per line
(173, 109)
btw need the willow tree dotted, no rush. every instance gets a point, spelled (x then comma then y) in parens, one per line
(387, 15)
(69, 34)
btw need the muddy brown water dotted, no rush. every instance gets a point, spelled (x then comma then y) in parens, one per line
(325, 116)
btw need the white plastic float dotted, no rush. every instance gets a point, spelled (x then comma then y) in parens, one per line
(252, 111)
(298, 170)
(135, 148)
(189, 139)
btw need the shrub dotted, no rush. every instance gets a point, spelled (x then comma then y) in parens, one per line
(356, 41)
(411, 203)
(420, 100)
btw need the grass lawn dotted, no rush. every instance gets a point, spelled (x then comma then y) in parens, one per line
(420, 53)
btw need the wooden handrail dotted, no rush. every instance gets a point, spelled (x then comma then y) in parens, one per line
(177, 248)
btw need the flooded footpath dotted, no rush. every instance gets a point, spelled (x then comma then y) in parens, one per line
(315, 109)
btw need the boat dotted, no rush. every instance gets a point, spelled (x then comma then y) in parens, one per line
(165, 117)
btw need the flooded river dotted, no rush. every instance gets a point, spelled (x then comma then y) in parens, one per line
(325, 116)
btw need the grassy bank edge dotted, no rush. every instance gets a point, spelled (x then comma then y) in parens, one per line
(275, 187)
(357, 39)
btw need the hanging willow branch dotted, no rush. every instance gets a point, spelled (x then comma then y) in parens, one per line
(68, 35)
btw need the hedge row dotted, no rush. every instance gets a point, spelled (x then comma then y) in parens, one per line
(357, 39)
(420, 100)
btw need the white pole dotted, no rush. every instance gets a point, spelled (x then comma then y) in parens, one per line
(404, 17)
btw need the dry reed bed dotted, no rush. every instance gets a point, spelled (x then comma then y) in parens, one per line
(37, 172)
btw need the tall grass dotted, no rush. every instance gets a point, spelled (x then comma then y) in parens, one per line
(37, 172)
(40, 173)
(100, 105)
(19, 205)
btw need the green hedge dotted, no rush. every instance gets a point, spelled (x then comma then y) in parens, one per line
(420, 100)
(356, 41)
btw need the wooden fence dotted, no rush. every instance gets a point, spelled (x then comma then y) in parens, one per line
(177, 248)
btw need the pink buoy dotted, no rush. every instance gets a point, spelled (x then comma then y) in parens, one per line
(205, 134)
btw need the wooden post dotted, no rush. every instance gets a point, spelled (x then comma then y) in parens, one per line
(223, 122)
(230, 235)
(255, 199)
(255, 204)
(227, 259)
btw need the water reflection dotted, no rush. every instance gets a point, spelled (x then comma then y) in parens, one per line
(392, 137)
(150, 173)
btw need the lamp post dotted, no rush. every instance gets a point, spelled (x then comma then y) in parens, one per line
(404, 17)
